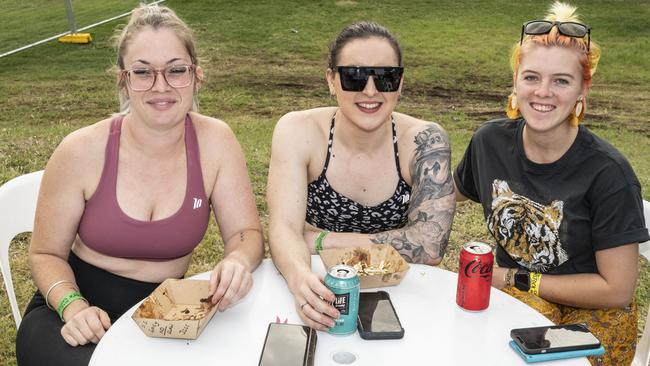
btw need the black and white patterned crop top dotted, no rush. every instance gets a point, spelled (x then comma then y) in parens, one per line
(329, 210)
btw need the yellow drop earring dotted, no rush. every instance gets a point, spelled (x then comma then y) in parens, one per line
(579, 108)
(511, 109)
(578, 112)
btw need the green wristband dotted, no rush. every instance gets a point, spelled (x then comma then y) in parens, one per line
(319, 240)
(67, 300)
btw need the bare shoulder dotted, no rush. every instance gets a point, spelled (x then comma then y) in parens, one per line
(84, 147)
(412, 127)
(219, 149)
(417, 134)
(79, 159)
(217, 142)
(303, 131)
(308, 121)
(211, 129)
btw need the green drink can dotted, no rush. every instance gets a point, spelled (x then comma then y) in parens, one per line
(343, 281)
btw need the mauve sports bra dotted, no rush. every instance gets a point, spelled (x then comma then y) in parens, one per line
(104, 227)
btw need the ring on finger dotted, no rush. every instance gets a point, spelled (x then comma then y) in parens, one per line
(303, 305)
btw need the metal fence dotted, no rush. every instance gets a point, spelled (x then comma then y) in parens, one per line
(25, 21)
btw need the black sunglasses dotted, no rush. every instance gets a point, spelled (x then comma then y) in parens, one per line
(355, 78)
(569, 29)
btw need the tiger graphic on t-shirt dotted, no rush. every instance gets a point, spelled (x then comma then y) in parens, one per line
(527, 230)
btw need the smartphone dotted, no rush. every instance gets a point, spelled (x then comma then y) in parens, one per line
(555, 338)
(377, 317)
(541, 357)
(288, 345)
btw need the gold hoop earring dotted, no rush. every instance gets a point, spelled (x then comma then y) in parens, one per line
(512, 110)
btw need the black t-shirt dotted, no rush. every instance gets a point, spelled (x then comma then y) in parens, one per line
(551, 218)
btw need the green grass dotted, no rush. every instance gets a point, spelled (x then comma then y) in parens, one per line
(258, 68)
(18, 24)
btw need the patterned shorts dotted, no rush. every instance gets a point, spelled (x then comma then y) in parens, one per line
(615, 328)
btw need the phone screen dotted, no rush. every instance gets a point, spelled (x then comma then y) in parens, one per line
(555, 338)
(286, 345)
(376, 313)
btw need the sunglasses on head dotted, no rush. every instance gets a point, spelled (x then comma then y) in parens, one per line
(386, 79)
(569, 29)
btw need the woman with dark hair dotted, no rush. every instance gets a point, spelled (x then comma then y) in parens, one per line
(563, 205)
(358, 173)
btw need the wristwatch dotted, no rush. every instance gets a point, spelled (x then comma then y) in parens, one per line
(522, 280)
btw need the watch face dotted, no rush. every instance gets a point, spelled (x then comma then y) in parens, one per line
(522, 280)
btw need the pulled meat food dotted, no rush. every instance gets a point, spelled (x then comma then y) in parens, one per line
(359, 259)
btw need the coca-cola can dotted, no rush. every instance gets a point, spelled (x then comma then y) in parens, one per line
(474, 276)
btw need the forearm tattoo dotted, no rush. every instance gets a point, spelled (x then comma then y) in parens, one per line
(432, 204)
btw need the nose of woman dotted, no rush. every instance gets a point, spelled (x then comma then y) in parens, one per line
(543, 89)
(370, 88)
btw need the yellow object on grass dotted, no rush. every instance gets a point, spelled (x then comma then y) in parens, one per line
(76, 38)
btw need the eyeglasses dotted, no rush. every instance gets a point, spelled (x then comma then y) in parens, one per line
(386, 79)
(569, 29)
(144, 78)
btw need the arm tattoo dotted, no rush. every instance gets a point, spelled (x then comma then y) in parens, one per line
(430, 167)
(431, 209)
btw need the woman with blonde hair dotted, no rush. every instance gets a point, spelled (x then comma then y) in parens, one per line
(563, 205)
(124, 202)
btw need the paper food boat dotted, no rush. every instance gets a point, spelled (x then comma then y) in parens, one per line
(378, 265)
(176, 309)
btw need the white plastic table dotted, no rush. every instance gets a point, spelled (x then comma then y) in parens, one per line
(437, 331)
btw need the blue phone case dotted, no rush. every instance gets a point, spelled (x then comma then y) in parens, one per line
(540, 357)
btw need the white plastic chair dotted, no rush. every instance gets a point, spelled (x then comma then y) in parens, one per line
(17, 209)
(642, 354)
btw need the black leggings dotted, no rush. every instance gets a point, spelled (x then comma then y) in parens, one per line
(39, 341)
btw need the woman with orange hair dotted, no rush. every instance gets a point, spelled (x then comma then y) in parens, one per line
(563, 205)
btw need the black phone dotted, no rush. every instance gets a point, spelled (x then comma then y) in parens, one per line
(554, 338)
(288, 345)
(377, 317)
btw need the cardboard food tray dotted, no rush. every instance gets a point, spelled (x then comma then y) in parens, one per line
(176, 309)
(372, 256)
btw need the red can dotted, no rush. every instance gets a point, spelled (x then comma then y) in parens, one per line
(474, 276)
